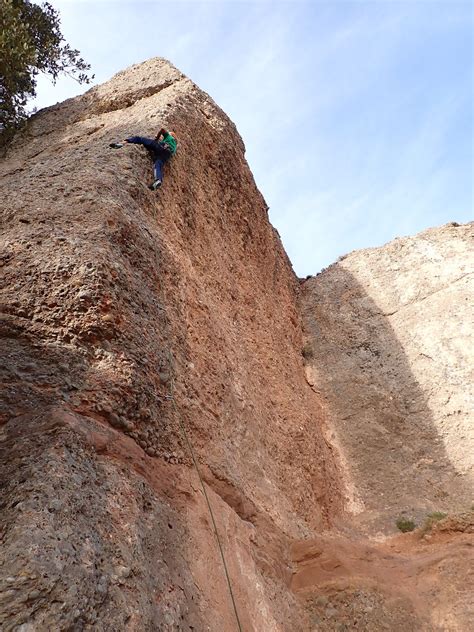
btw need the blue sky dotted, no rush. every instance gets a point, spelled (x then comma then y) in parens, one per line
(357, 115)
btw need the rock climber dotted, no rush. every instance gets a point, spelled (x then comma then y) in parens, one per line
(161, 149)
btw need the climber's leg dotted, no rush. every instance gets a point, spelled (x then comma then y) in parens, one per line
(158, 173)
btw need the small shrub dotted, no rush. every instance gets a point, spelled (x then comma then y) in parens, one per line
(431, 518)
(437, 515)
(405, 524)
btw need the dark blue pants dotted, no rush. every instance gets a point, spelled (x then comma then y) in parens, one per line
(160, 159)
(158, 168)
(159, 154)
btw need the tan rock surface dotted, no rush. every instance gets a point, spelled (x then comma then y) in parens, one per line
(390, 347)
(127, 314)
(116, 299)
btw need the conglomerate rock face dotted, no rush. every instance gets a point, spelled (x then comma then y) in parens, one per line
(129, 312)
(390, 347)
(137, 324)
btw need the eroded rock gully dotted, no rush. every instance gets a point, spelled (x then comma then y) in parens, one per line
(126, 312)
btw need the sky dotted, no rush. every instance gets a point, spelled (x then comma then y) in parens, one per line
(357, 115)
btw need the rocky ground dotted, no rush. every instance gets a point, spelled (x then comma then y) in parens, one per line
(134, 321)
(417, 581)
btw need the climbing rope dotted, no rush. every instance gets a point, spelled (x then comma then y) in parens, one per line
(189, 445)
(203, 487)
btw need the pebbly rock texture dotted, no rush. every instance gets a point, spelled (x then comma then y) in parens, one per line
(416, 581)
(389, 346)
(138, 326)
(128, 313)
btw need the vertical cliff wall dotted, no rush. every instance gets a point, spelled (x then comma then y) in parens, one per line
(127, 313)
(389, 345)
(389, 348)
(136, 324)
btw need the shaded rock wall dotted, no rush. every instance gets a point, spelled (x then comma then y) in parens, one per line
(389, 346)
(117, 300)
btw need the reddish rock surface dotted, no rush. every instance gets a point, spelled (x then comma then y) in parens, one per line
(130, 316)
(118, 299)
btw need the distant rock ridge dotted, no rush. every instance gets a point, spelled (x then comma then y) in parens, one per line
(127, 313)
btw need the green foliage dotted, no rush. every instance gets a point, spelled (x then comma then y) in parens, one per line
(405, 524)
(31, 42)
(436, 516)
(431, 518)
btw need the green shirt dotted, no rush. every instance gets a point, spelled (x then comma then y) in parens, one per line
(171, 142)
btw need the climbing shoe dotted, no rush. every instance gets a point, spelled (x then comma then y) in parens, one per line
(156, 184)
(116, 145)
